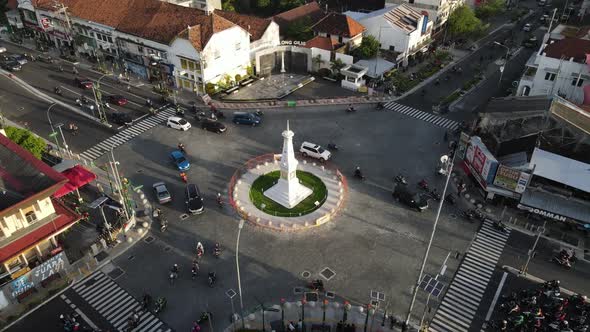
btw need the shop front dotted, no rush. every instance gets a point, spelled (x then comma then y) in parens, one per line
(555, 207)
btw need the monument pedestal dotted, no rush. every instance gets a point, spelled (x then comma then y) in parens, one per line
(288, 194)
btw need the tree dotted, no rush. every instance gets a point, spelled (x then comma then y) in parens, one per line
(489, 8)
(299, 30)
(285, 5)
(336, 66)
(369, 47)
(263, 4)
(462, 22)
(318, 61)
(27, 140)
(228, 5)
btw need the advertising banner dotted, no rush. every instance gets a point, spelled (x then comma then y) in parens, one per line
(481, 160)
(511, 179)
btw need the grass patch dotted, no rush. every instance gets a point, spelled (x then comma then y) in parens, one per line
(472, 82)
(268, 180)
(451, 98)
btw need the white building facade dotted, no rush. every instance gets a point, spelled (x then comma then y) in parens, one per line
(400, 28)
(438, 10)
(558, 68)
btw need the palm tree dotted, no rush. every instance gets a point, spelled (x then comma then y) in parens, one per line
(337, 65)
(317, 61)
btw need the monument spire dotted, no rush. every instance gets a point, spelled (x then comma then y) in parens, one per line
(288, 191)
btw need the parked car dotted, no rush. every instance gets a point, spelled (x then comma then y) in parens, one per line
(404, 195)
(117, 100)
(162, 193)
(194, 199)
(11, 65)
(180, 160)
(527, 27)
(531, 42)
(314, 151)
(83, 83)
(214, 126)
(2, 49)
(178, 123)
(20, 58)
(246, 118)
(121, 119)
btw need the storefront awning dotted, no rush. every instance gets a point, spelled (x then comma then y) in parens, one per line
(555, 206)
(78, 176)
(560, 169)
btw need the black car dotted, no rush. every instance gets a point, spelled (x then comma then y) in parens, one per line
(121, 119)
(11, 65)
(214, 126)
(194, 200)
(414, 200)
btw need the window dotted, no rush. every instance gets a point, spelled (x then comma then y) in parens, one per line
(392, 48)
(183, 64)
(550, 76)
(577, 82)
(110, 39)
(140, 49)
(31, 217)
(191, 66)
(122, 43)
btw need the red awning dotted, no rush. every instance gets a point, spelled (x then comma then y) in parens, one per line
(78, 176)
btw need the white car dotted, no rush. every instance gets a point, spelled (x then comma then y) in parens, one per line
(178, 123)
(2, 49)
(527, 27)
(315, 151)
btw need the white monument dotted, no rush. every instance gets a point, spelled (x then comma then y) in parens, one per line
(288, 191)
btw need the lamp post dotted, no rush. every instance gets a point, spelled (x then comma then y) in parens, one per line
(63, 138)
(345, 309)
(505, 62)
(97, 96)
(240, 226)
(449, 166)
(53, 133)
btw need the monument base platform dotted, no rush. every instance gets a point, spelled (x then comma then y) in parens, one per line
(288, 194)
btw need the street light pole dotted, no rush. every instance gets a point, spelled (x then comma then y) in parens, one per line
(63, 138)
(532, 250)
(240, 226)
(425, 259)
(505, 62)
(53, 133)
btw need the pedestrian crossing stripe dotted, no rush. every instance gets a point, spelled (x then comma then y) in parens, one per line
(421, 115)
(127, 134)
(115, 305)
(463, 297)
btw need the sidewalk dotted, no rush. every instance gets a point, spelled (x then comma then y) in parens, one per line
(333, 315)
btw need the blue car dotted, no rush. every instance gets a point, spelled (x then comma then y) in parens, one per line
(180, 160)
(247, 118)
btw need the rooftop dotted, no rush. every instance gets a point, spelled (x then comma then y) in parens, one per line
(150, 19)
(518, 104)
(320, 42)
(310, 10)
(256, 26)
(338, 25)
(23, 177)
(403, 17)
(376, 67)
(568, 48)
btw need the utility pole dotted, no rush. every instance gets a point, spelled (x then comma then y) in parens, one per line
(531, 252)
(449, 170)
(62, 9)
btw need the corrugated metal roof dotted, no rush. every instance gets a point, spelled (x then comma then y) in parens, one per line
(570, 172)
(557, 204)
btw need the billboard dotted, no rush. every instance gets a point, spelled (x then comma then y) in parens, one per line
(481, 160)
(511, 179)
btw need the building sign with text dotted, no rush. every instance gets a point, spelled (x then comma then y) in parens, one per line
(541, 212)
(511, 179)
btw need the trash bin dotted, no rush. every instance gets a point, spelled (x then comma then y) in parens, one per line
(291, 103)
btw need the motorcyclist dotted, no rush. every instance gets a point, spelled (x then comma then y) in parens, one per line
(212, 278)
(181, 147)
(148, 102)
(57, 90)
(147, 299)
(184, 177)
(174, 269)
(216, 250)
(200, 249)
(350, 108)
(358, 172)
(195, 270)
(219, 200)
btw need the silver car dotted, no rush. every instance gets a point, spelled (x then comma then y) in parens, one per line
(162, 192)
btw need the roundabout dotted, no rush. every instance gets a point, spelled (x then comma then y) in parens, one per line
(270, 191)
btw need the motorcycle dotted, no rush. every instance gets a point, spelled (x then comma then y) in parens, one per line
(181, 148)
(468, 215)
(219, 114)
(401, 179)
(351, 109)
(259, 113)
(163, 224)
(435, 195)
(316, 285)
(200, 250)
(195, 271)
(205, 316)
(212, 278)
(217, 250)
(332, 147)
(219, 200)
(160, 305)
(58, 92)
(499, 226)
(562, 262)
(423, 184)
(179, 112)
(358, 174)
(380, 106)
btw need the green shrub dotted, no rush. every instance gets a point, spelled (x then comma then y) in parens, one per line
(238, 78)
(210, 88)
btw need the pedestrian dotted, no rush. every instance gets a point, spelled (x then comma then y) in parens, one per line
(391, 322)
(291, 327)
(300, 325)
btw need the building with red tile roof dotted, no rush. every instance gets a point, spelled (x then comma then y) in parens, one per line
(340, 28)
(309, 11)
(30, 218)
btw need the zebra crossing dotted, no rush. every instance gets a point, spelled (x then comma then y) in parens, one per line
(424, 116)
(127, 134)
(116, 305)
(459, 305)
